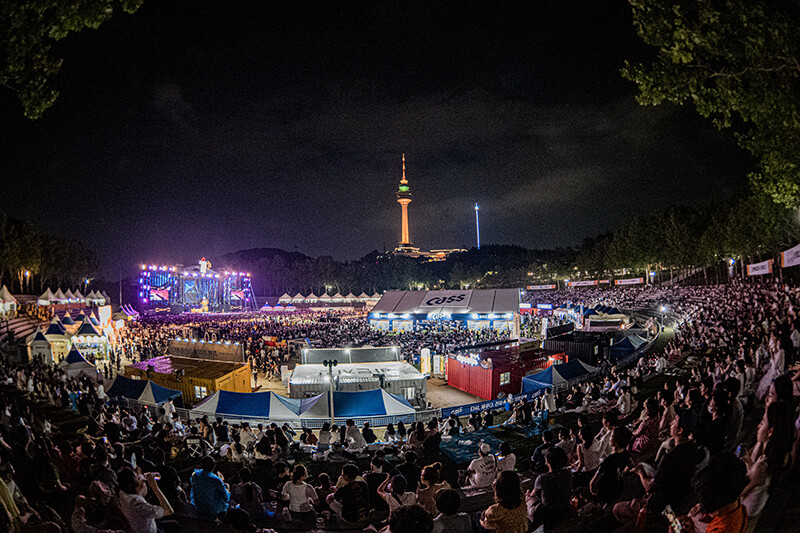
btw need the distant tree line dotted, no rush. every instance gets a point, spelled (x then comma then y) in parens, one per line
(666, 242)
(48, 260)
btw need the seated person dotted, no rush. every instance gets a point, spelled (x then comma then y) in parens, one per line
(548, 502)
(351, 501)
(607, 484)
(509, 513)
(483, 470)
(140, 514)
(448, 519)
(210, 494)
(719, 485)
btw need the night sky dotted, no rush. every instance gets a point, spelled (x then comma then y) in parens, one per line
(195, 128)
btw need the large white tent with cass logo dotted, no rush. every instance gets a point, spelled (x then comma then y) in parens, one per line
(496, 309)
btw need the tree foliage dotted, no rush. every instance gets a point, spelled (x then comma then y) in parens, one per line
(49, 260)
(737, 62)
(29, 28)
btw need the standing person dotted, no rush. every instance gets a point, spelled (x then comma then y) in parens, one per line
(508, 514)
(300, 496)
(483, 470)
(140, 514)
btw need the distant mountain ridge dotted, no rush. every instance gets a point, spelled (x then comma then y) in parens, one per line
(253, 255)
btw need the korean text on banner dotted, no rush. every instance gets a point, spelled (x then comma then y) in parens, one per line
(540, 287)
(588, 283)
(758, 269)
(629, 281)
(790, 257)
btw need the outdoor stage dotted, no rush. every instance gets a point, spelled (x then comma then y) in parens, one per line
(195, 289)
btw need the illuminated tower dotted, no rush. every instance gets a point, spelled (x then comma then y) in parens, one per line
(404, 198)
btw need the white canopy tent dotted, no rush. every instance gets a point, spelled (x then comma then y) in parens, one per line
(8, 304)
(46, 298)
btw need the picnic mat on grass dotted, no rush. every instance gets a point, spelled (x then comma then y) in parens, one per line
(464, 448)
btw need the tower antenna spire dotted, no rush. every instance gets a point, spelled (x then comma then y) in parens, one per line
(403, 179)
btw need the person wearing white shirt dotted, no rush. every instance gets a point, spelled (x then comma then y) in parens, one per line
(354, 438)
(142, 515)
(246, 437)
(483, 470)
(624, 402)
(169, 410)
(549, 401)
(506, 460)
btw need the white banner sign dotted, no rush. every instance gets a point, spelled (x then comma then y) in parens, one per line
(758, 269)
(448, 298)
(790, 257)
(589, 283)
(541, 287)
(629, 281)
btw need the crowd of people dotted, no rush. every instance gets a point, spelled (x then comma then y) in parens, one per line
(264, 336)
(681, 455)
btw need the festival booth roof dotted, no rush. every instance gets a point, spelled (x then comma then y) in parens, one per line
(363, 296)
(290, 307)
(376, 402)
(325, 296)
(337, 297)
(55, 329)
(312, 296)
(78, 295)
(105, 296)
(45, 298)
(142, 390)
(81, 317)
(485, 301)
(556, 375)
(69, 295)
(93, 319)
(6, 297)
(253, 404)
(76, 364)
(278, 307)
(266, 307)
(127, 387)
(67, 320)
(59, 295)
(39, 337)
(88, 329)
(350, 296)
(590, 312)
(629, 343)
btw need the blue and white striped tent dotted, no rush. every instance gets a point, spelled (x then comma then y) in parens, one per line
(252, 404)
(376, 402)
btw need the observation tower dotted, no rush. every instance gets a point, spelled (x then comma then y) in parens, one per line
(404, 198)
